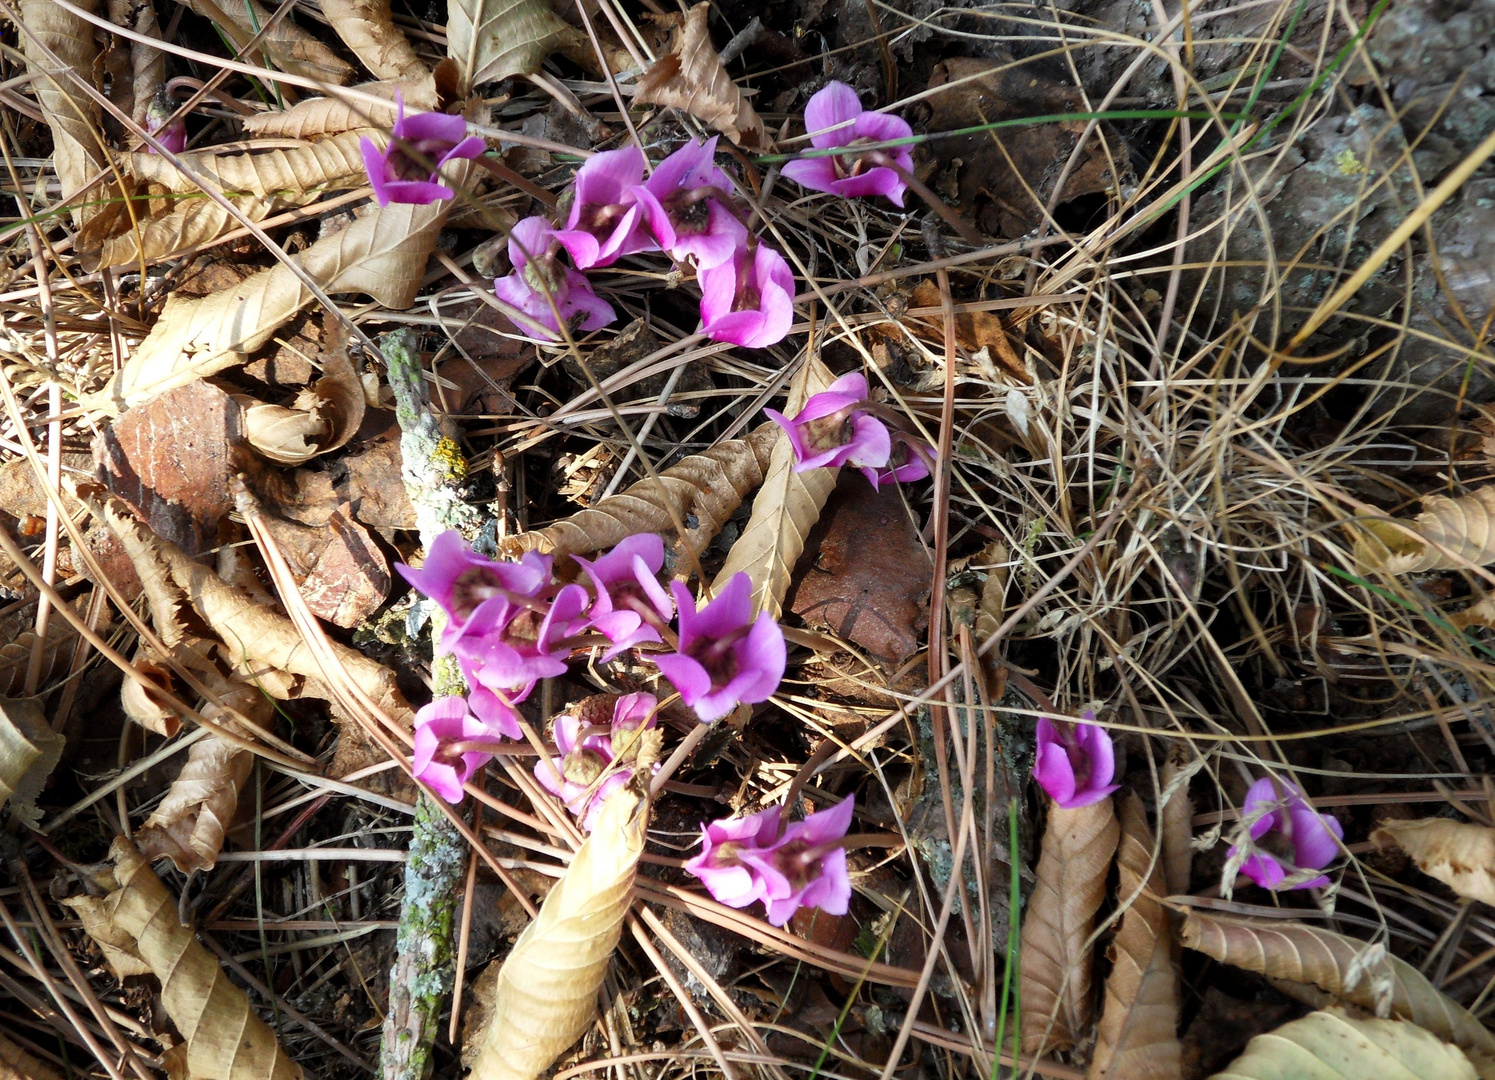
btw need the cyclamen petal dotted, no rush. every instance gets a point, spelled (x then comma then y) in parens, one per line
(532, 251)
(445, 721)
(748, 300)
(1313, 838)
(606, 221)
(734, 864)
(1075, 770)
(714, 680)
(407, 169)
(834, 117)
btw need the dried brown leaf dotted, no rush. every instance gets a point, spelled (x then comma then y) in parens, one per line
(77, 153)
(494, 39)
(187, 224)
(320, 116)
(547, 988)
(708, 486)
(340, 390)
(339, 570)
(785, 509)
(1138, 1034)
(1464, 526)
(284, 435)
(692, 77)
(1056, 955)
(29, 751)
(325, 165)
(367, 28)
(1460, 855)
(288, 46)
(15, 655)
(382, 253)
(140, 705)
(1177, 816)
(225, 1039)
(17, 1064)
(1308, 954)
(1330, 1045)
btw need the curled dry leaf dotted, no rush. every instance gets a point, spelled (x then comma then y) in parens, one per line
(289, 47)
(382, 253)
(324, 165)
(17, 1064)
(190, 223)
(1308, 954)
(785, 509)
(147, 63)
(1138, 1034)
(1464, 527)
(140, 705)
(367, 28)
(1460, 855)
(70, 113)
(1177, 817)
(1331, 1045)
(316, 117)
(29, 751)
(15, 655)
(287, 436)
(1056, 954)
(707, 486)
(225, 1039)
(547, 988)
(692, 77)
(494, 39)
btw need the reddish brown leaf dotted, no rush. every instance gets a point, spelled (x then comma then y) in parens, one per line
(341, 572)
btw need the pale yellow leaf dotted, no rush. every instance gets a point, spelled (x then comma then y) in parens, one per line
(288, 46)
(692, 77)
(17, 1064)
(1290, 950)
(191, 222)
(77, 153)
(1460, 855)
(494, 39)
(1056, 958)
(785, 510)
(1464, 527)
(324, 165)
(547, 988)
(329, 115)
(367, 28)
(1330, 1045)
(29, 751)
(284, 435)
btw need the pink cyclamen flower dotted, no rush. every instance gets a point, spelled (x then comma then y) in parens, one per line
(606, 222)
(539, 279)
(478, 594)
(171, 134)
(1075, 770)
(908, 460)
(587, 754)
(834, 117)
(749, 299)
(628, 589)
(812, 859)
(506, 663)
(684, 203)
(831, 431)
(406, 170)
(437, 726)
(736, 859)
(1306, 840)
(726, 656)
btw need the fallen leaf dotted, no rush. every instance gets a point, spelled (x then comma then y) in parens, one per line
(1290, 950)
(382, 253)
(692, 77)
(315, 117)
(170, 461)
(17, 1064)
(785, 508)
(1464, 526)
(367, 28)
(273, 171)
(29, 751)
(864, 574)
(340, 390)
(77, 152)
(701, 490)
(288, 46)
(140, 705)
(494, 39)
(1331, 1045)
(1460, 855)
(974, 331)
(225, 1039)
(547, 988)
(340, 571)
(1056, 958)
(15, 654)
(188, 224)
(1177, 817)
(284, 435)
(1137, 1038)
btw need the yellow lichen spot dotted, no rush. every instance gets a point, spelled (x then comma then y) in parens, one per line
(449, 455)
(1349, 164)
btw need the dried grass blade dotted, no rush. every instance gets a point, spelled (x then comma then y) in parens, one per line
(17, 1064)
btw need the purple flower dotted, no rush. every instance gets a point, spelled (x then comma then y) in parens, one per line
(835, 117)
(171, 134)
(749, 299)
(606, 220)
(507, 662)
(538, 279)
(437, 725)
(404, 172)
(586, 756)
(626, 585)
(478, 594)
(1307, 840)
(812, 859)
(736, 859)
(1075, 770)
(725, 655)
(684, 203)
(908, 460)
(830, 431)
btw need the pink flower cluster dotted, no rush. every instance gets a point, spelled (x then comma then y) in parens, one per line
(1302, 839)
(684, 209)
(838, 427)
(585, 774)
(744, 860)
(511, 624)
